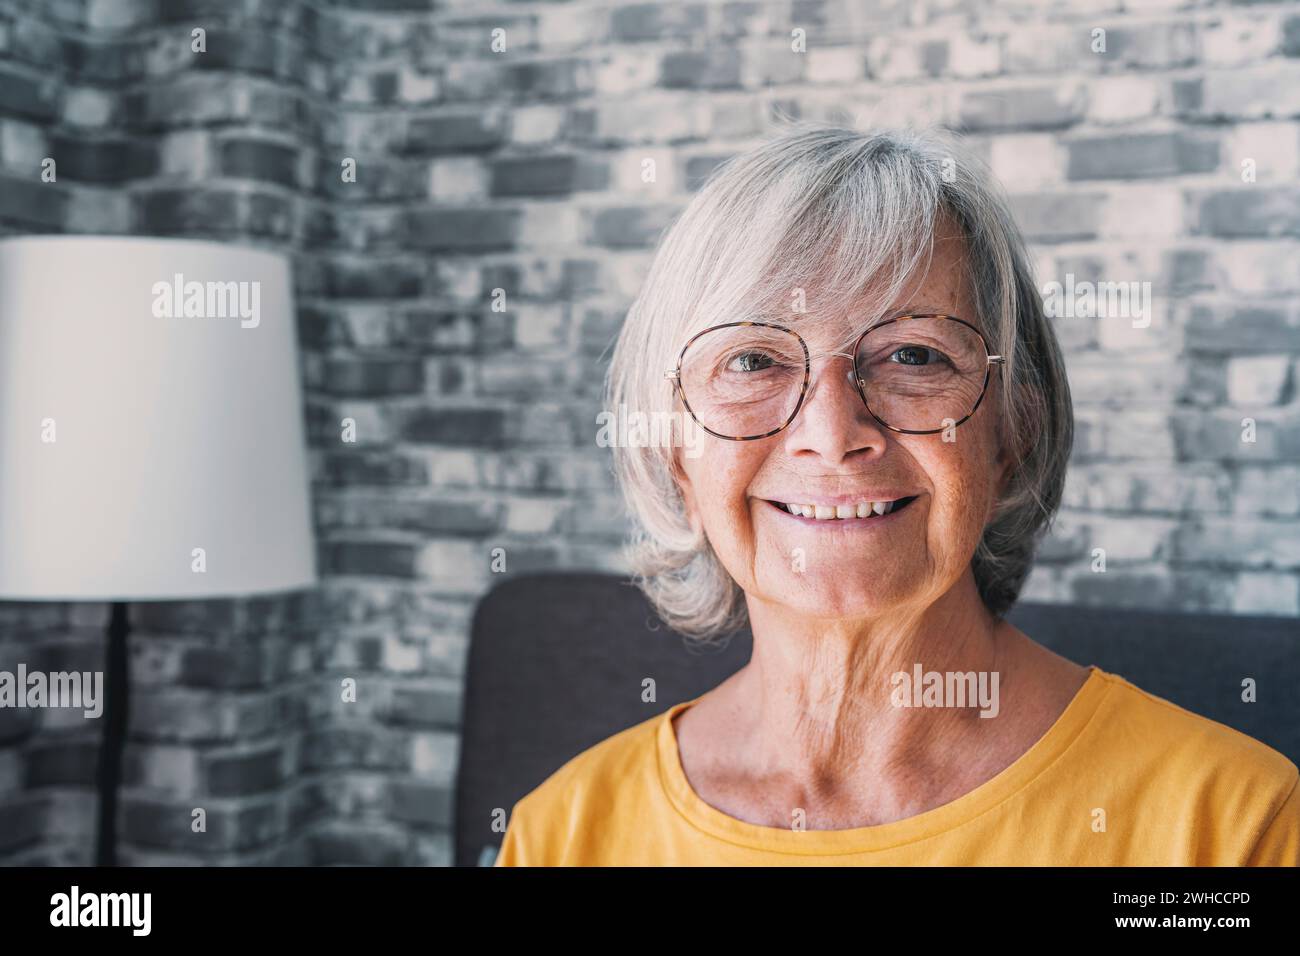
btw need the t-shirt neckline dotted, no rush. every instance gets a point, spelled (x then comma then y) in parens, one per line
(968, 806)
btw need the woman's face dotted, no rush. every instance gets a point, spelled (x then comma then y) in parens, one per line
(836, 454)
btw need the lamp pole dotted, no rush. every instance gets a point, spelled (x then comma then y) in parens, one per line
(113, 738)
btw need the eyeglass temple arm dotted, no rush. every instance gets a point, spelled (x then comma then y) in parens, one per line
(993, 360)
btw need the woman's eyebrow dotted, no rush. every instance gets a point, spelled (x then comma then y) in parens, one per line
(889, 315)
(922, 308)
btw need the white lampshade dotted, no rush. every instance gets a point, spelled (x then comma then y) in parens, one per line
(170, 433)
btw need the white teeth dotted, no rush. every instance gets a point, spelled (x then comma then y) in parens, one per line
(863, 509)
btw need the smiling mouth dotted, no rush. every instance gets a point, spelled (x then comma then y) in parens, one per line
(857, 511)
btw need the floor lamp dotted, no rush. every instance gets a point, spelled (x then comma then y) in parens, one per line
(151, 437)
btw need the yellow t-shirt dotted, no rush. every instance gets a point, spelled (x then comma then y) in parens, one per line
(1122, 778)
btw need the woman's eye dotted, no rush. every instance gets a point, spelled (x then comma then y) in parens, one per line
(750, 362)
(915, 355)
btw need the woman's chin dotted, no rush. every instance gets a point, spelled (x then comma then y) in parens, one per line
(844, 595)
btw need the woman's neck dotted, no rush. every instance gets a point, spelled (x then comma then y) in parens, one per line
(827, 714)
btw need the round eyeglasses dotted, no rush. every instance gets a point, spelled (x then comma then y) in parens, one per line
(917, 375)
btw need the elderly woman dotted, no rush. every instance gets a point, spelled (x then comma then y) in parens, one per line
(851, 322)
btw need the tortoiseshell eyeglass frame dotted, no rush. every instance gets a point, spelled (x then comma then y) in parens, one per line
(675, 373)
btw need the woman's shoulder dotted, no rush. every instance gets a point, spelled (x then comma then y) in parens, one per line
(1173, 767)
(1188, 742)
(597, 788)
(620, 756)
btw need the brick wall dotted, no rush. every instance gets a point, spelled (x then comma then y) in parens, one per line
(521, 171)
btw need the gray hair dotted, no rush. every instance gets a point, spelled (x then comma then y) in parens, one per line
(841, 216)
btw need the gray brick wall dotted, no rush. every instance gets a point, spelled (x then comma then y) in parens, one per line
(520, 171)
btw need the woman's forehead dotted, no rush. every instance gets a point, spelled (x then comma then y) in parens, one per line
(836, 328)
(938, 283)
(837, 303)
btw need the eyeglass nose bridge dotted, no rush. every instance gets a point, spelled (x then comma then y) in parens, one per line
(850, 374)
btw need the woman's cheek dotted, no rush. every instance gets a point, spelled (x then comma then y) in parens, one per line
(721, 512)
(963, 490)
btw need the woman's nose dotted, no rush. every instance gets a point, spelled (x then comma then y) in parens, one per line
(834, 421)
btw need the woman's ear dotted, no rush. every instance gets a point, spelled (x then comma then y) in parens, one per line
(1014, 446)
(1008, 454)
(1005, 465)
(687, 491)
